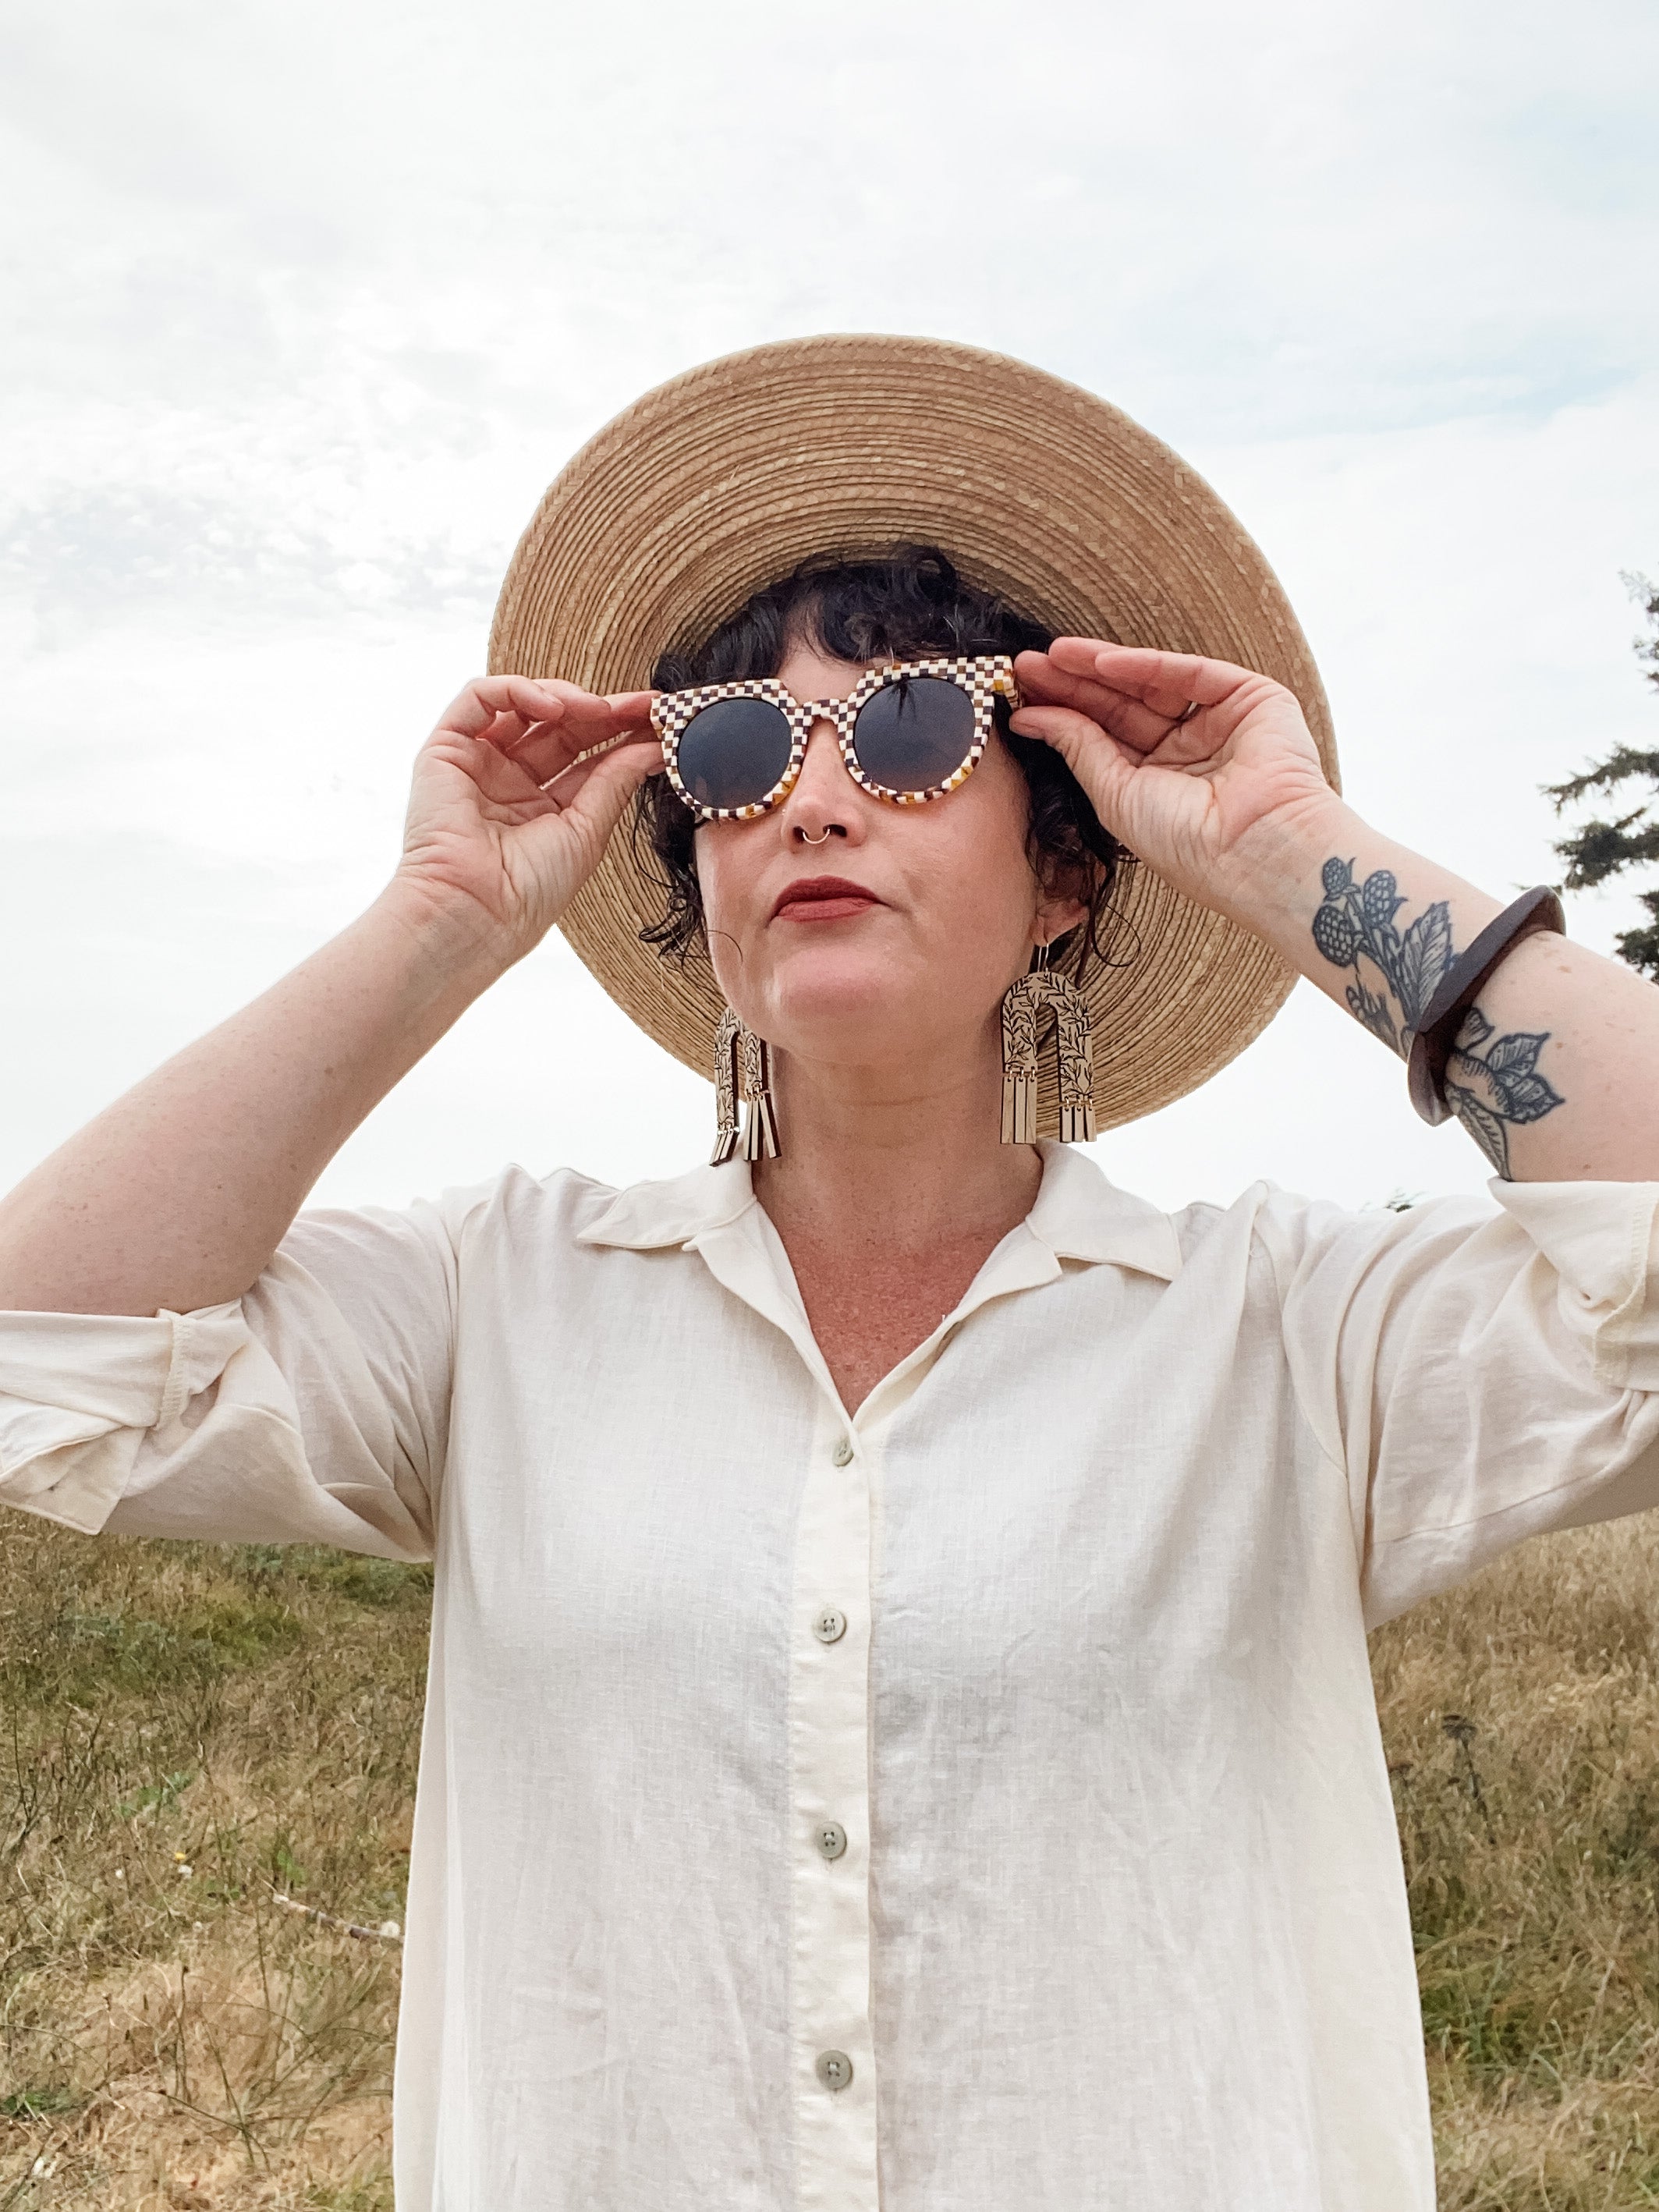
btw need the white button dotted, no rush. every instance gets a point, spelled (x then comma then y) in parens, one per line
(829, 1625)
(830, 1837)
(834, 2069)
(842, 1454)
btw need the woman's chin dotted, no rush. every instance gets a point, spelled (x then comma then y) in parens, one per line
(839, 1004)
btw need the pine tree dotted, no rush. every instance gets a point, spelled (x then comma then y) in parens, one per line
(1604, 849)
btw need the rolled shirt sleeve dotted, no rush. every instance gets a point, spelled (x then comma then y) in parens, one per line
(1476, 1376)
(315, 1409)
(1479, 1378)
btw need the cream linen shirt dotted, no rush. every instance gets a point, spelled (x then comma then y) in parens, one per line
(1062, 1631)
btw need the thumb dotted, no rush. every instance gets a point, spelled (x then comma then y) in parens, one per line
(606, 789)
(1104, 767)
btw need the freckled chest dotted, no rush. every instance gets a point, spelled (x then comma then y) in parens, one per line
(868, 1312)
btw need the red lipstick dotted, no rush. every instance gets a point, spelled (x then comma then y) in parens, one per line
(823, 898)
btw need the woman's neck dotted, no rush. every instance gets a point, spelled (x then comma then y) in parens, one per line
(893, 1187)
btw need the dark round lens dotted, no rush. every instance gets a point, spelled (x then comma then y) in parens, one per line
(915, 734)
(733, 752)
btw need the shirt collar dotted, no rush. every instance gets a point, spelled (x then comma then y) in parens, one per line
(1078, 1215)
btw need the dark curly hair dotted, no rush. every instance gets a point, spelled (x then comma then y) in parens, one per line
(907, 606)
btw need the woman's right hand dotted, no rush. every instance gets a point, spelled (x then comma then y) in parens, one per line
(484, 843)
(176, 1196)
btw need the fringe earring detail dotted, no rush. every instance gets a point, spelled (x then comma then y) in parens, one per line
(726, 1089)
(743, 1067)
(1074, 1048)
(760, 1120)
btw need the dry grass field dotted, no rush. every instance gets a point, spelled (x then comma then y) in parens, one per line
(186, 1731)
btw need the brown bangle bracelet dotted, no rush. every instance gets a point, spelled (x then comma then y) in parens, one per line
(1431, 1044)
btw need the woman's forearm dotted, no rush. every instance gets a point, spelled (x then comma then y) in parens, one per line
(1208, 771)
(1556, 1073)
(176, 1196)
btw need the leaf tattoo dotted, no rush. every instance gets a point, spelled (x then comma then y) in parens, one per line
(1424, 956)
(1490, 1091)
(1492, 1083)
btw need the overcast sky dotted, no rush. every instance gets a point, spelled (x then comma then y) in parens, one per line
(306, 304)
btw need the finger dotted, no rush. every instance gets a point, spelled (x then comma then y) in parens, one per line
(1126, 717)
(513, 783)
(631, 708)
(503, 732)
(1102, 763)
(1078, 737)
(507, 782)
(599, 716)
(564, 786)
(1165, 681)
(572, 721)
(1189, 744)
(473, 711)
(593, 719)
(603, 785)
(532, 699)
(542, 750)
(1043, 684)
(550, 754)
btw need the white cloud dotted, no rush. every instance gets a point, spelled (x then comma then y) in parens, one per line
(310, 302)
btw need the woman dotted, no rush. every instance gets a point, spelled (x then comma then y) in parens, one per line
(899, 1726)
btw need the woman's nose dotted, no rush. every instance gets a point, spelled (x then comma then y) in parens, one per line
(823, 806)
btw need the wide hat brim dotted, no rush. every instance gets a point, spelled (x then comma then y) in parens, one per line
(727, 478)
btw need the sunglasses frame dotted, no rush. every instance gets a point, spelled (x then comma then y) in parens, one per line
(985, 677)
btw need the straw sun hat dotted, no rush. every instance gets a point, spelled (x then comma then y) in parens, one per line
(724, 480)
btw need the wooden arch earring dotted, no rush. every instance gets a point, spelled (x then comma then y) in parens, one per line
(743, 1067)
(1022, 1003)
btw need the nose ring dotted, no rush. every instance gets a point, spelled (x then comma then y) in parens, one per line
(820, 837)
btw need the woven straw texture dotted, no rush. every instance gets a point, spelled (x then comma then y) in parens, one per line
(724, 480)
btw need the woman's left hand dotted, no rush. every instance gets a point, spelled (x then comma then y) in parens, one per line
(1206, 772)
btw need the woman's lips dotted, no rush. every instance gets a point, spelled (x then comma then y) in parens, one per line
(823, 898)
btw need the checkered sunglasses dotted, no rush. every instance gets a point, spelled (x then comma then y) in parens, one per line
(908, 732)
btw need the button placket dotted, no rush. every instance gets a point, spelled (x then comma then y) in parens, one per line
(830, 1754)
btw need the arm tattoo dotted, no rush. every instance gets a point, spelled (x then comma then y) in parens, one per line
(1492, 1082)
